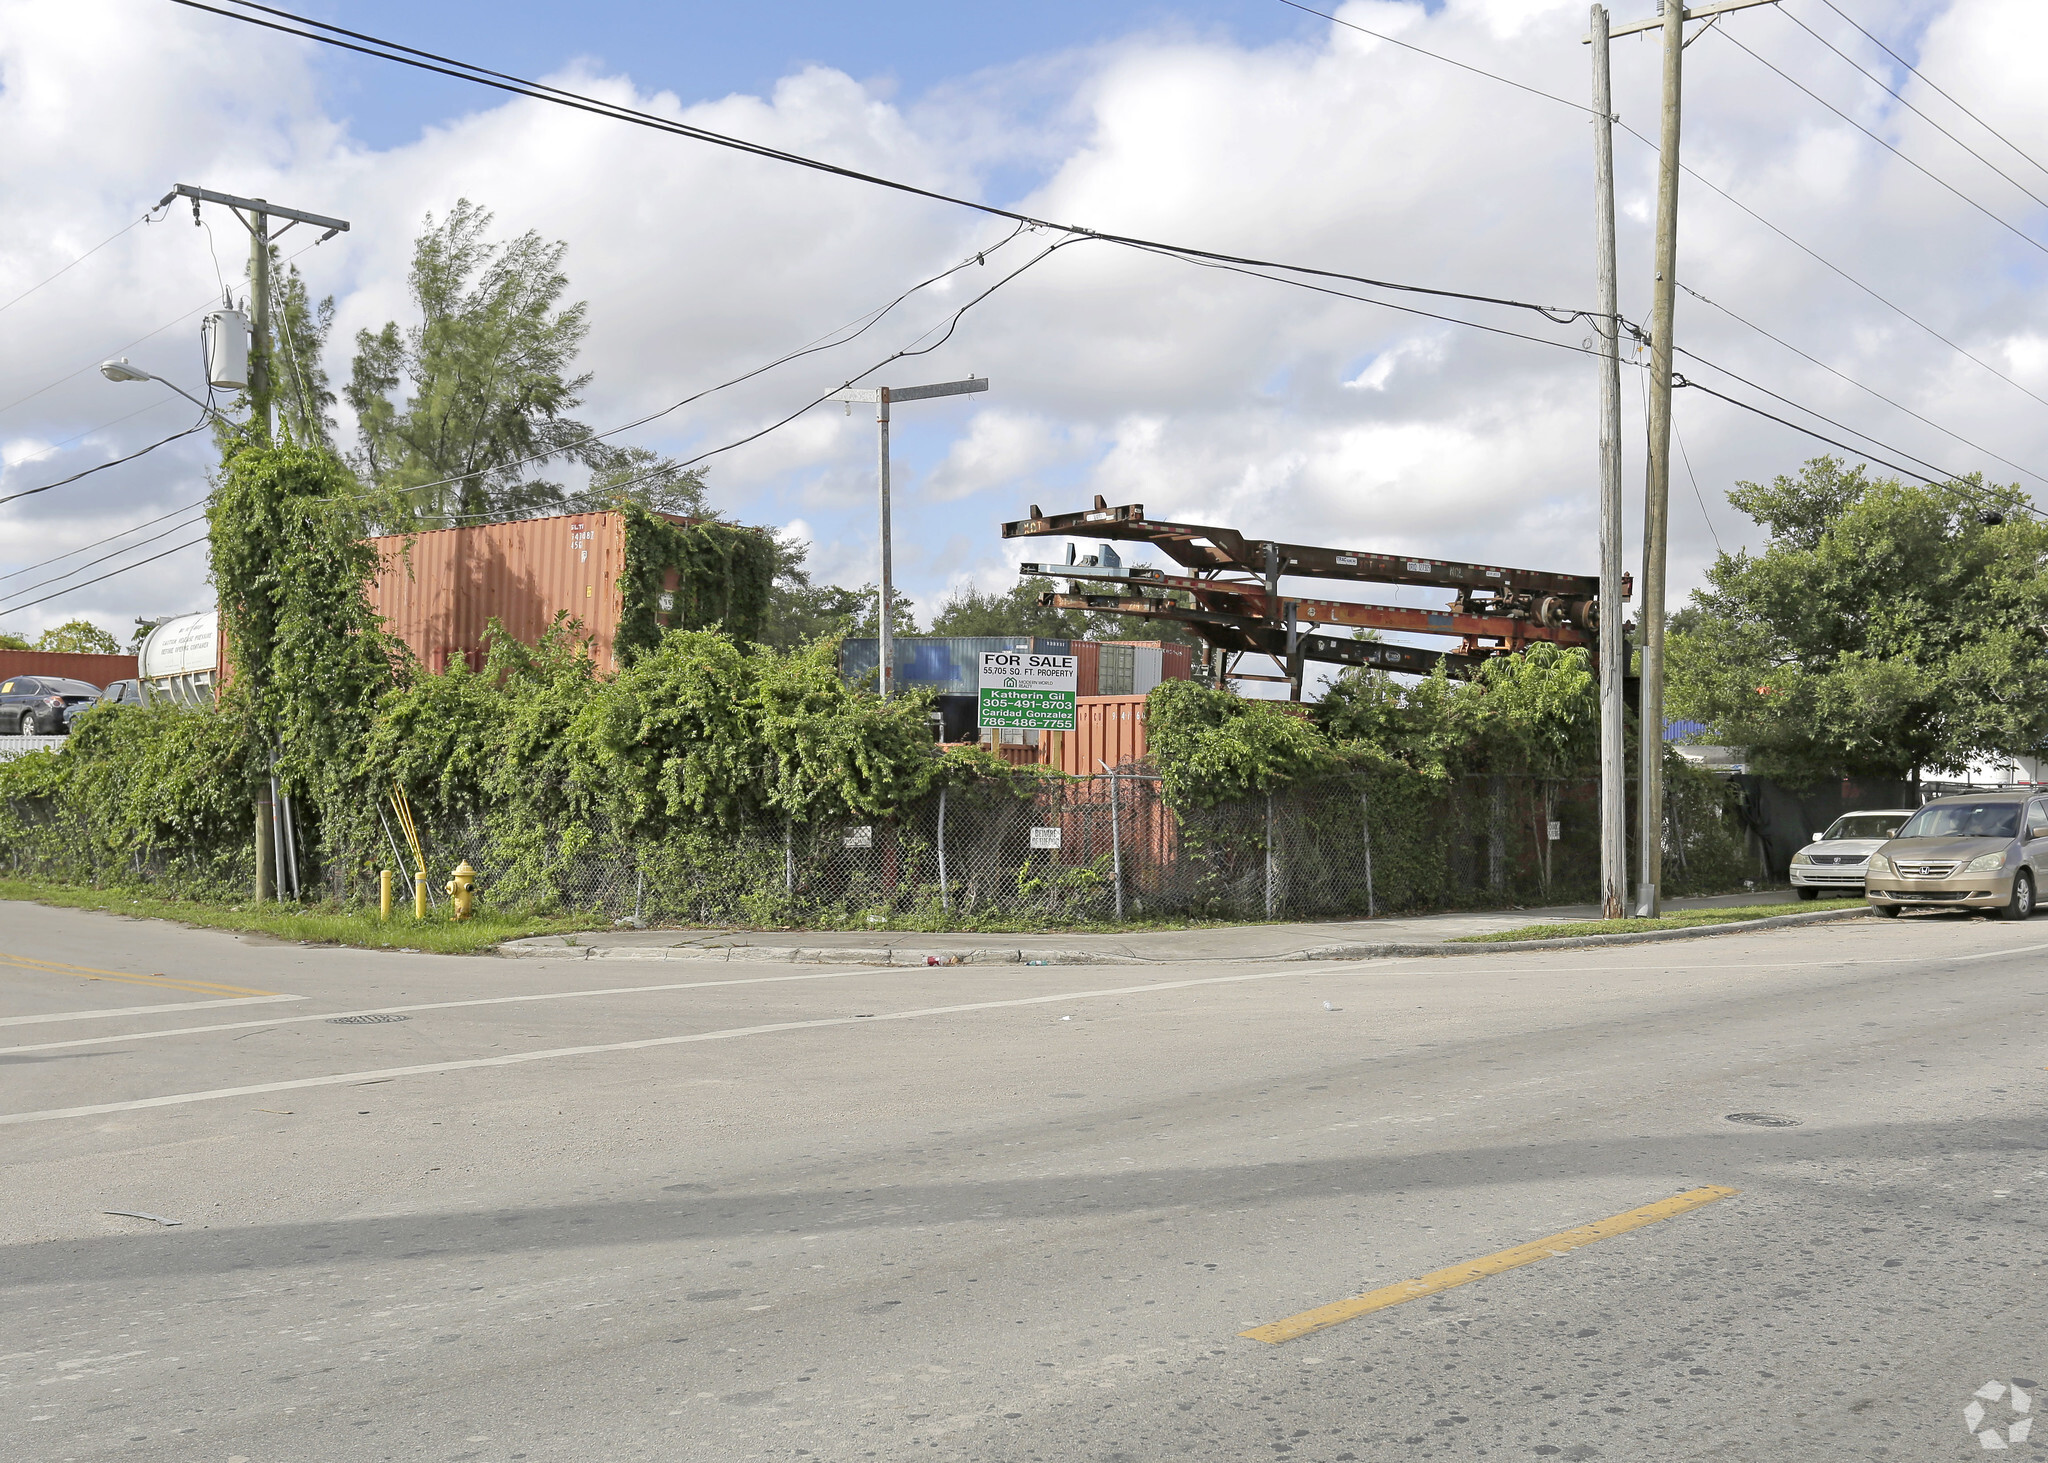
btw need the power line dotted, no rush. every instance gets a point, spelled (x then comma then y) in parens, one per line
(1834, 268)
(134, 528)
(103, 466)
(1680, 381)
(12, 609)
(866, 322)
(1889, 90)
(1896, 406)
(1936, 89)
(112, 554)
(538, 91)
(950, 326)
(2012, 229)
(1448, 61)
(93, 364)
(144, 218)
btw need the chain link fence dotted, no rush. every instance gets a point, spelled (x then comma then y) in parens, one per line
(1035, 850)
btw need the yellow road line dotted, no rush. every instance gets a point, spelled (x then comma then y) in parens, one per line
(159, 982)
(1324, 1317)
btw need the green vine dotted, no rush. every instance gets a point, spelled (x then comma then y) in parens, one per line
(722, 575)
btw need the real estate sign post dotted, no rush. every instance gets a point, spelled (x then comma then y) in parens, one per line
(1020, 688)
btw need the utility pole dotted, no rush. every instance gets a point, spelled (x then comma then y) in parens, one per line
(1613, 638)
(255, 215)
(882, 397)
(1657, 494)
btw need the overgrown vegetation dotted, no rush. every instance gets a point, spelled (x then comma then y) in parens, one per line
(1886, 628)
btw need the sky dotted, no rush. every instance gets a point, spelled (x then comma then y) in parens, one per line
(1848, 282)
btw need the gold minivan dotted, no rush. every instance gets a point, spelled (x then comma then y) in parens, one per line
(1975, 850)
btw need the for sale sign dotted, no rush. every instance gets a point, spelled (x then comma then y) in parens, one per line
(1024, 689)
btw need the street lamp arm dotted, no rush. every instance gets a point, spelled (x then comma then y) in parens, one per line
(120, 370)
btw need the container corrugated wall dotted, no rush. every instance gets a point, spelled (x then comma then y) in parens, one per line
(65, 665)
(1108, 730)
(439, 596)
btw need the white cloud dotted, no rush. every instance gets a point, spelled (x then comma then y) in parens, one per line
(1204, 394)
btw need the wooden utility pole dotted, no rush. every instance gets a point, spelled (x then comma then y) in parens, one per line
(255, 214)
(1657, 497)
(1613, 638)
(1657, 494)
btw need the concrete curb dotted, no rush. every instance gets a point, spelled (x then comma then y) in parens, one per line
(1577, 942)
(541, 949)
(555, 947)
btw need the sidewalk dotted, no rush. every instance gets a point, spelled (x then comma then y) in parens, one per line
(1331, 939)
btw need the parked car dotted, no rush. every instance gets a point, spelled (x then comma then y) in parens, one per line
(1983, 850)
(41, 705)
(120, 693)
(1836, 859)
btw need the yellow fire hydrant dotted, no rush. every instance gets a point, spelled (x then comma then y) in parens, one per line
(462, 889)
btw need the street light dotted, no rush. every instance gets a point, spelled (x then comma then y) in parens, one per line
(882, 396)
(121, 371)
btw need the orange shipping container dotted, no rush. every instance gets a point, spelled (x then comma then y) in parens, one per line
(95, 670)
(1108, 730)
(439, 594)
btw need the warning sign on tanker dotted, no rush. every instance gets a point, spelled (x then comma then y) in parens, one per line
(1022, 689)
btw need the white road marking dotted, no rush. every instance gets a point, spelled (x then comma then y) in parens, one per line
(139, 1011)
(624, 990)
(338, 1079)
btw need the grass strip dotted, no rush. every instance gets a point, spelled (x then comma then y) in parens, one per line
(437, 934)
(1682, 919)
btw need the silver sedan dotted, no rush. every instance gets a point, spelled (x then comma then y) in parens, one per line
(1836, 859)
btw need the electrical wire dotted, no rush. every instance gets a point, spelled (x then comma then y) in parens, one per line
(1908, 105)
(133, 528)
(56, 447)
(112, 554)
(2010, 228)
(1836, 269)
(1818, 416)
(1681, 382)
(1698, 496)
(93, 364)
(1936, 89)
(824, 342)
(1434, 56)
(1895, 405)
(951, 324)
(539, 91)
(114, 462)
(31, 604)
(144, 218)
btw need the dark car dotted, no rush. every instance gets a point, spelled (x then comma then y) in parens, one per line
(41, 705)
(120, 693)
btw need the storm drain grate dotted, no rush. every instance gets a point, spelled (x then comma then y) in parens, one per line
(372, 1018)
(1763, 1119)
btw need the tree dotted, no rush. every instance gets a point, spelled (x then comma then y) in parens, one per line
(1886, 628)
(800, 611)
(13, 642)
(487, 374)
(639, 475)
(78, 637)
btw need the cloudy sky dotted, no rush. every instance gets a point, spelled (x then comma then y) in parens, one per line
(1236, 125)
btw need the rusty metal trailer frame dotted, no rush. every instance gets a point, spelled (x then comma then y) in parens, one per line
(1495, 610)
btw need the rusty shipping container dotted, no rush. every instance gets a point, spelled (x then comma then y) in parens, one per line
(1108, 730)
(439, 590)
(95, 670)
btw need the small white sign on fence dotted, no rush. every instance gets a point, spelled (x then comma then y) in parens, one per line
(1045, 838)
(1556, 830)
(861, 837)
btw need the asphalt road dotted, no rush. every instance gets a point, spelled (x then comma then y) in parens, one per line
(579, 1211)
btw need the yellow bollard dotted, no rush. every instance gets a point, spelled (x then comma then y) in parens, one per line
(419, 895)
(384, 895)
